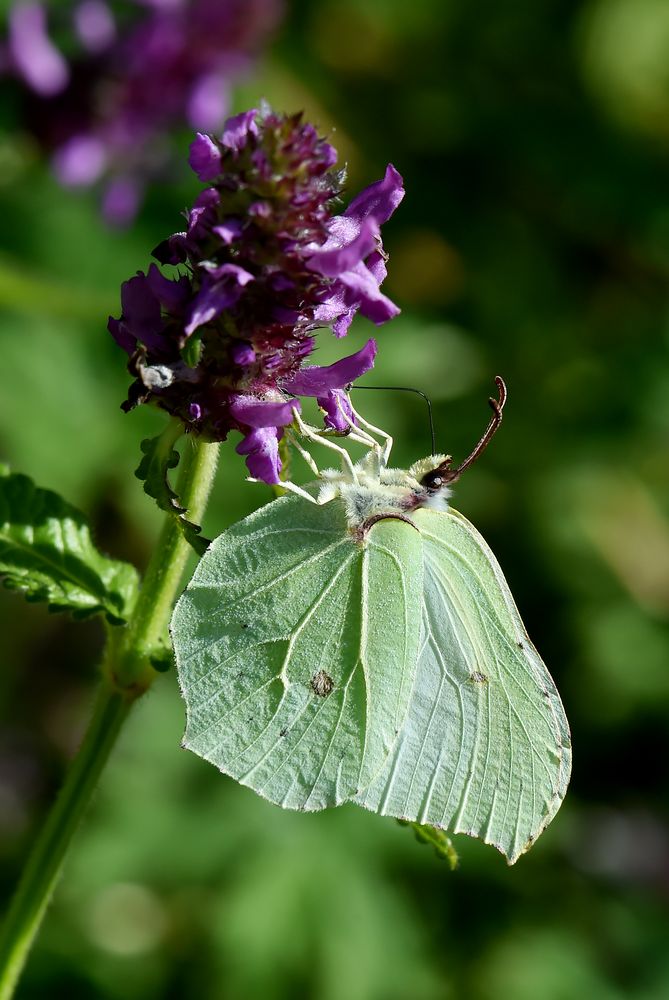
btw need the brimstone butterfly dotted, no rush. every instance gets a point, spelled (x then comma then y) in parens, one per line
(359, 643)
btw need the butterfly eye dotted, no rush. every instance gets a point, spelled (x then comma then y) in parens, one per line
(432, 480)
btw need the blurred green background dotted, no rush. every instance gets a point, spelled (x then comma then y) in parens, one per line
(533, 242)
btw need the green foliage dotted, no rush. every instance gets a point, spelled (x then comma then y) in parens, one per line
(46, 552)
(159, 457)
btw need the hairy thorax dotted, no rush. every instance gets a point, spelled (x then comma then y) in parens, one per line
(376, 491)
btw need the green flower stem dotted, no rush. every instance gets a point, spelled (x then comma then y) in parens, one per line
(146, 635)
(43, 868)
(127, 673)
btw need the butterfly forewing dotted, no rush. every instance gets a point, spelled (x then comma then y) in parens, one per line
(485, 749)
(295, 672)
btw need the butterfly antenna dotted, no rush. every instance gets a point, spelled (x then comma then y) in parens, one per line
(407, 388)
(496, 405)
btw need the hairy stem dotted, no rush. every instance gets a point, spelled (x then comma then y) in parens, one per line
(127, 673)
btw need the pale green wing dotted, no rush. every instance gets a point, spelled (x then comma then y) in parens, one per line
(486, 748)
(296, 647)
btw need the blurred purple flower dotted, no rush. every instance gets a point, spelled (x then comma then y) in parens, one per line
(107, 114)
(32, 53)
(266, 262)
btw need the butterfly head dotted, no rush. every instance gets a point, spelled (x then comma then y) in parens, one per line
(370, 490)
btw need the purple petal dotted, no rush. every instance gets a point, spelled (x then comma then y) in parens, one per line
(261, 448)
(173, 250)
(204, 157)
(256, 412)
(171, 294)
(365, 292)
(231, 271)
(346, 246)
(261, 163)
(380, 199)
(201, 216)
(80, 161)
(285, 316)
(376, 265)
(94, 24)
(229, 230)
(280, 282)
(209, 196)
(122, 335)
(341, 325)
(210, 301)
(221, 289)
(141, 311)
(317, 381)
(333, 306)
(335, 310)
(337, 407)
(38, 61)
(237, 129)
(242, 353)
(328, 154)
(260, 210)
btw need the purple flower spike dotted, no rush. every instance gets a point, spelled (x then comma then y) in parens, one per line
(130, 83)
(265, 264)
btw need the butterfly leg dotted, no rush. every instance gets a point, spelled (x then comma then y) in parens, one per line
(313, 435)
(308, 458)
(356, 433)
(298, 491)
(289, 487)
(386, 438)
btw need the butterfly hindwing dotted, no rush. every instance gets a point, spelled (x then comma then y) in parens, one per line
(296, 646)
(486, 748)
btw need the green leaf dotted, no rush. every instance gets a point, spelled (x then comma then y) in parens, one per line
(443, 845)
(46, 552)
(159, 457)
